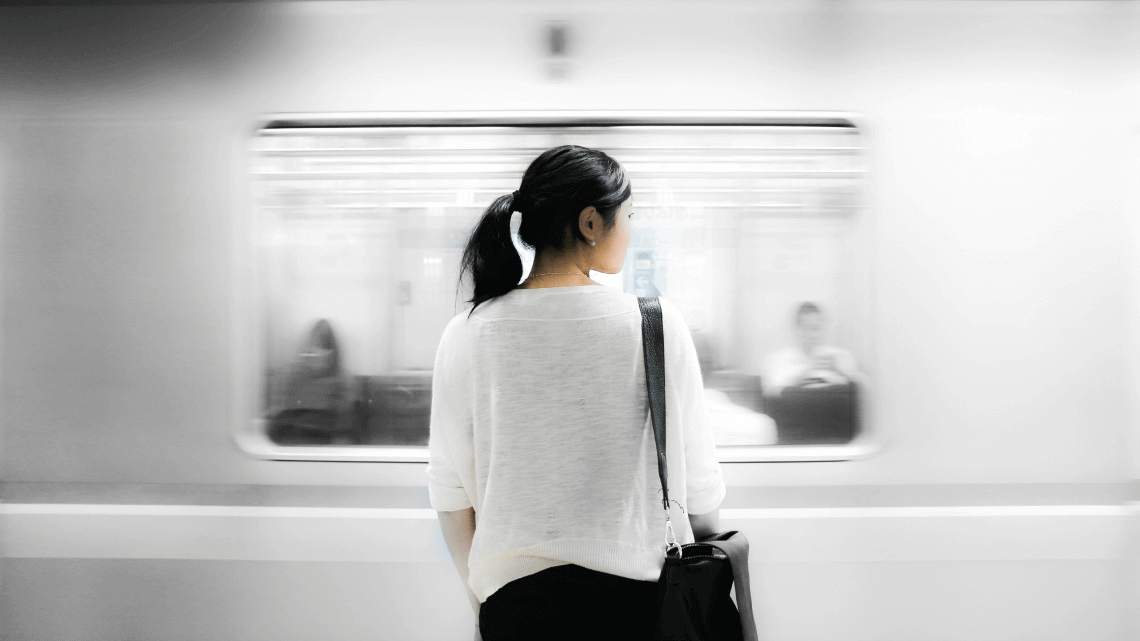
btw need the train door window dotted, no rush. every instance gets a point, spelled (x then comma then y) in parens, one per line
(753, 225)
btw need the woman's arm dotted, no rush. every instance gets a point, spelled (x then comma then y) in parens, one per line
(705, 524)
(458, 531)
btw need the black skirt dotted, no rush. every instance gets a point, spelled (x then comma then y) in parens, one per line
(570, 602)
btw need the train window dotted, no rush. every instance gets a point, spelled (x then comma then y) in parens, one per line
(752, 224)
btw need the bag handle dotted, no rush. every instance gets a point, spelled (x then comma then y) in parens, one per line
(653, 340)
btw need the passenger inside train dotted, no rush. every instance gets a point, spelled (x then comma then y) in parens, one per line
(315, 408)
(811, 389)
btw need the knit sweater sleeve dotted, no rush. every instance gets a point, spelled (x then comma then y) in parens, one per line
(704, 485)
(450, 423)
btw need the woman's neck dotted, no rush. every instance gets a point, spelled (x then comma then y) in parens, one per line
(534, 282)
(550, 271)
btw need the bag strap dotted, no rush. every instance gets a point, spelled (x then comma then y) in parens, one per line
(653, 340)
(734, 544)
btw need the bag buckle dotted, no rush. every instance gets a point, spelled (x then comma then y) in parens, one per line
(670, 538)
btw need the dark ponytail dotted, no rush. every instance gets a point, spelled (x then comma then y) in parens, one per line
(556, 187)
(491, 256)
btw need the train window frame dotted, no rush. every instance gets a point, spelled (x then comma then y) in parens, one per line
(248, 427)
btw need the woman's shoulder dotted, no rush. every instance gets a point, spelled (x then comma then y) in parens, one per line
(676, 330)
(672, 314)
(456, 330)
(674, 317)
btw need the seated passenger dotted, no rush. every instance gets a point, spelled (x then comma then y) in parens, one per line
(810, 363)
(316, 408)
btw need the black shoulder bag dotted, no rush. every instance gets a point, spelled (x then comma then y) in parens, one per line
(693, 590)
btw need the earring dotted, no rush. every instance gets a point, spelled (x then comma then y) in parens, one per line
(593, 243)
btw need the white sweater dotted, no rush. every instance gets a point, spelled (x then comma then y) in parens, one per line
(540, 421)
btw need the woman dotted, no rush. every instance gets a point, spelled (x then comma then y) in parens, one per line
(540, 423)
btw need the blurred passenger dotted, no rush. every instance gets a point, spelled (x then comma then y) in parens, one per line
(810, 363)
(316, 408)
(540, 419)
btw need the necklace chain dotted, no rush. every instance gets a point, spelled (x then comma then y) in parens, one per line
(556, 274)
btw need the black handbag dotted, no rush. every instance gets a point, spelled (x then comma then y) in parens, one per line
(693, 590)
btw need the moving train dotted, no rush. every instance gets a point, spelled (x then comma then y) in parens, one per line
(229, 239)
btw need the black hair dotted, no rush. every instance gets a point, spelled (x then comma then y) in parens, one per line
(556, 187)
(805, 309)
(322, 337)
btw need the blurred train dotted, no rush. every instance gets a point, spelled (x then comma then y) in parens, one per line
(229, 239)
